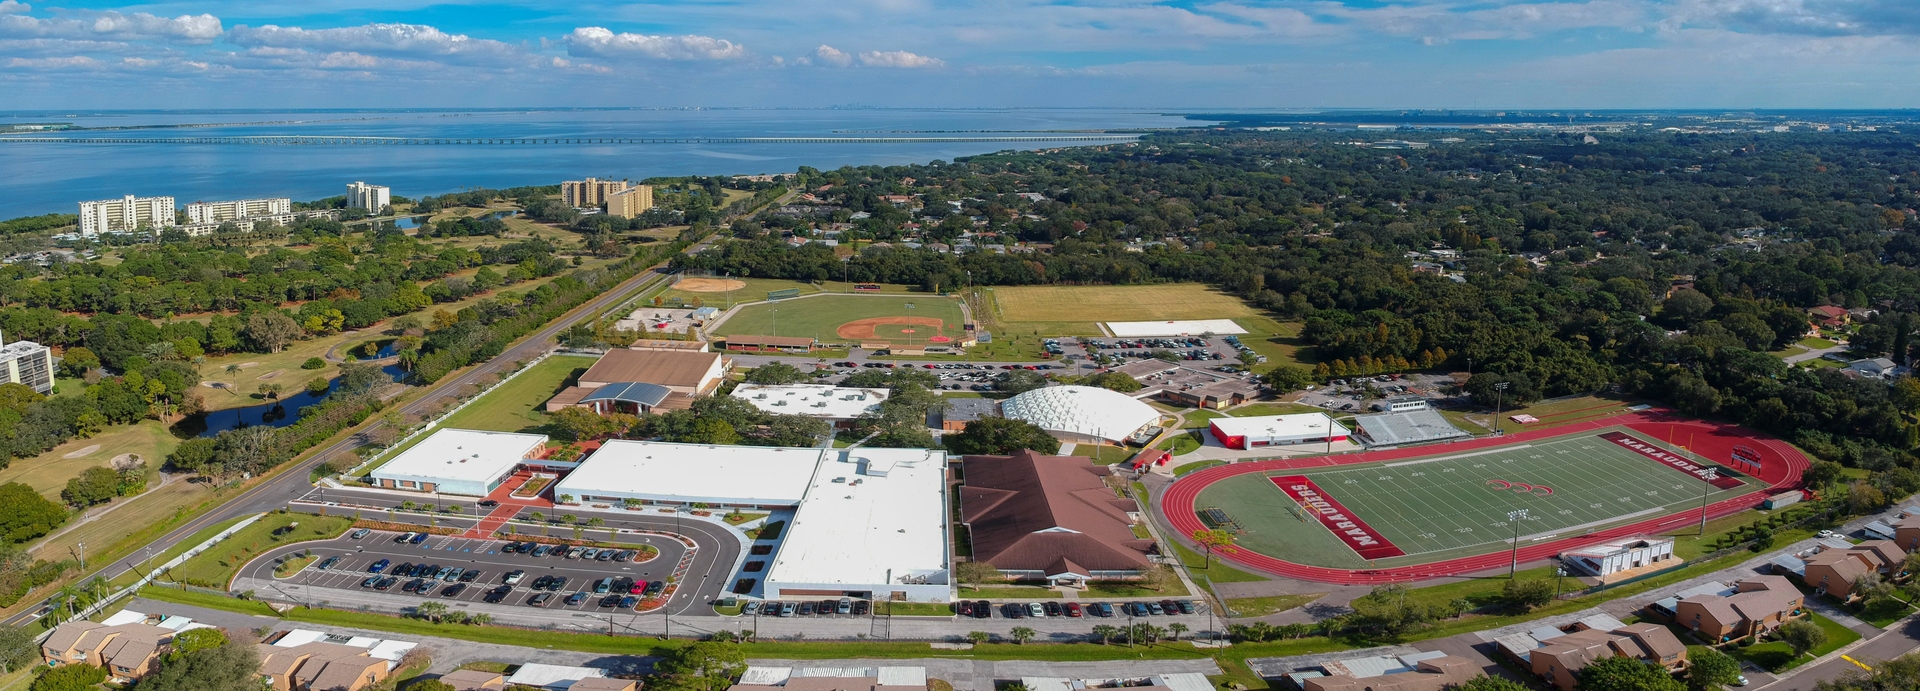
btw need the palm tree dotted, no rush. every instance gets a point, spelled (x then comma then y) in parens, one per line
(1021, 634)
(1177, 628)
(1106, 632)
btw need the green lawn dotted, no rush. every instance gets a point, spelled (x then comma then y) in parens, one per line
(1249, 607)
(1183, 443)
(1776, 656)
(1264, 409)
(1198, 419)
(216, 567)
(1279, 341)
(1218, 572)
(821, 317)
(1190, 467)
(755, 289)
(1817, 343)
(517, 406)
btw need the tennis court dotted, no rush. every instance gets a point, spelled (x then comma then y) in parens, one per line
(1450, 505)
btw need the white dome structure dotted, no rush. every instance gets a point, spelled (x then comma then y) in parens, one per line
(1081, 414)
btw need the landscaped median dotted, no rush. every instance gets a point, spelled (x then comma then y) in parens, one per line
(216, 567)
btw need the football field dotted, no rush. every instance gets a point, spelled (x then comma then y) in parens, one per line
(1451, 505)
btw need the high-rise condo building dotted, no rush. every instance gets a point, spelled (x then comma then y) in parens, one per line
(126, 214)
(373, 198)
(591, 192)
(26, 362)
(220, 212)
(630, 202)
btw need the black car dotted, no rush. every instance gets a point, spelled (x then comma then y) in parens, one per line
(414, 586)
(983, 610)
(610, 601)
(470, 576)
(1013, 610)
(557, 583)
(655, 588)
(499, 594)
(540, 583)
(827, 607)
(859, 607)
(1053, 609)
(404, 569)
(453, 590)
(806, 609)
(489, 503)
(1186, 606)
(385, 583)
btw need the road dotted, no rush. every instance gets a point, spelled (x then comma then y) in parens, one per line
(1902, 639)
(292, 481)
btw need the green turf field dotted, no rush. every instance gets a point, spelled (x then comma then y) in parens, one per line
(1454, 505)
(820, 317)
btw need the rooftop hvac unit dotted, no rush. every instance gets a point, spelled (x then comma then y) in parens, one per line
(779, 403)
(760, 397)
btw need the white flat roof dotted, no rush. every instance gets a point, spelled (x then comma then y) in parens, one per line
(665, 471)
(536, 674)
(1279, 426)
(855, 524)
(1084, 410)
(812, 400)
(1189, 327)
(462, 455)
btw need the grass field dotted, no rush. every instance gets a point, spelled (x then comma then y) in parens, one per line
(517, 406)
(48, 473)
(216, 566)
(754, 289)
(821, 317)
(1072, 310)
(1457, 505)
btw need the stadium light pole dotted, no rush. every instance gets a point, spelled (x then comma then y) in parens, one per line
(1709, 478)
(1499, 396)
(1514, 517)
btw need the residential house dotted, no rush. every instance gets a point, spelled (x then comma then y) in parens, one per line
(1906, 533)
(1758, 605)
(1420, 672)
(320, 667)
(127, 651)
(1837, 571)
(1560, 660)
(1828, 316)
(1877, 368)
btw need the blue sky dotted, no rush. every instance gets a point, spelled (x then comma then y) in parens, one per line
(810, 53)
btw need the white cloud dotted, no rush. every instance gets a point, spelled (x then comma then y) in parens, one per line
(14, 7)
(832, 56)
(203, 28)
(75, 62)
(349, 60)
(408, 40)
(599, 42)
(900, 59)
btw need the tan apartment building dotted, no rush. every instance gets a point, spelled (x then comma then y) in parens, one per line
(474, 680)
(127, 651)
(319, 667)
(1836, 571)
(591, 192)
(1906, 533)
(1562, 658)
(1761, 604)
(631, 202)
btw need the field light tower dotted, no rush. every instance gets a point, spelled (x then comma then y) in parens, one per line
(1515, 517)
(1499, 393)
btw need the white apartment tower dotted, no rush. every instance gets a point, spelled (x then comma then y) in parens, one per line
(126, 214)
(373, 198)
(242, 209)
(26, 362)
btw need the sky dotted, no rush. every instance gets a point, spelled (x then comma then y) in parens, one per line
(1188, 54)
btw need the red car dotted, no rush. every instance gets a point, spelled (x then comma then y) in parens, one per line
(1073, 609)
(928, 365)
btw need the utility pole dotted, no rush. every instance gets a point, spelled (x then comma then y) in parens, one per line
(83, 555)
(1514, 517)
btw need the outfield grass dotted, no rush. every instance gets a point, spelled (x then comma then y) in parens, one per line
(821, 317)
(754, 289)
(217, 566)
(516, 406)
(1025, 304)
(1457, 505)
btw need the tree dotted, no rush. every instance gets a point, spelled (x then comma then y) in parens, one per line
(979, 637)
(1686, 306)
(582, 424)
(1211, 540)
(1802, 635)
(1709, 669)
(1287, 378)
(271, 330)
(776, 373)
(1175, 629)
(431, 685)
(1490, 683)
(313, 363)
(1525, 596)
(25, 515)
(1619, 673)
(17, 649)
(1871, 587)
(978, 572)
(1821, 474)
(999, 436)
(1520, 389)
(73, 677)
(231, 666)
(710, 431)
(78, 361)
(703, 666)
(1106, 632)
(189, 642)
(1018, 381)
(1021, 634)
(95, 485)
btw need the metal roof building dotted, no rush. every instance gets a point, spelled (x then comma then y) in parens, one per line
(1081, 414)
(1412, 427)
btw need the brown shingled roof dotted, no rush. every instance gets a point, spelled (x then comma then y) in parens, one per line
(1031, 512)
(663, 367)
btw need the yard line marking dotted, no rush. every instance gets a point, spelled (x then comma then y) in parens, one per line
(1418, 461)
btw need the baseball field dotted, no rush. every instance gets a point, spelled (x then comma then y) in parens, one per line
(895, 318)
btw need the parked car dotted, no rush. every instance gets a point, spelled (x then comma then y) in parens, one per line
(752, 607)
(357, 534)
(541, 551)
(499, 594)
(557, 583)
(420, 537)
(629, 602)
(859, 608)
(453, 590)
(328, 562)
(588, 553)
(655, 588)
(806, 608)
(514, 577)
(576, 598)
(406, 536)
(982, 610)
(606, 555)
(469, 576)
(378, 566)
(1073, 609)
(602, 586)
(1186, 606)
(369, 581)
(1013, 610)
(786, 609)
(539, 599)
(385, 583)
(1054, 609)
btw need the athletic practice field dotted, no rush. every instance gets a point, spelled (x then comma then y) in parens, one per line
(931, 320)
(1446, 505)
(1075, 309)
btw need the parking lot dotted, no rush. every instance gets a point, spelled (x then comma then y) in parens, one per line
(1351, 395)
(357, 558)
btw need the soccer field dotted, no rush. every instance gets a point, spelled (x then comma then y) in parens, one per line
(1452, 505)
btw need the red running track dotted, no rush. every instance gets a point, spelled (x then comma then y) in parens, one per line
(1781, 468)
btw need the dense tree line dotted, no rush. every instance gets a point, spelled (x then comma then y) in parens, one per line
(1665, 264)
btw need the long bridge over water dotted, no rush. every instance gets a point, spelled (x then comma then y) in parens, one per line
(320, 140)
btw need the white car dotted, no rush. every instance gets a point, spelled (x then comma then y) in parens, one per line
(1826, 533)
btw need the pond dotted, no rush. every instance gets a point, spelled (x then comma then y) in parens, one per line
(278, 413)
